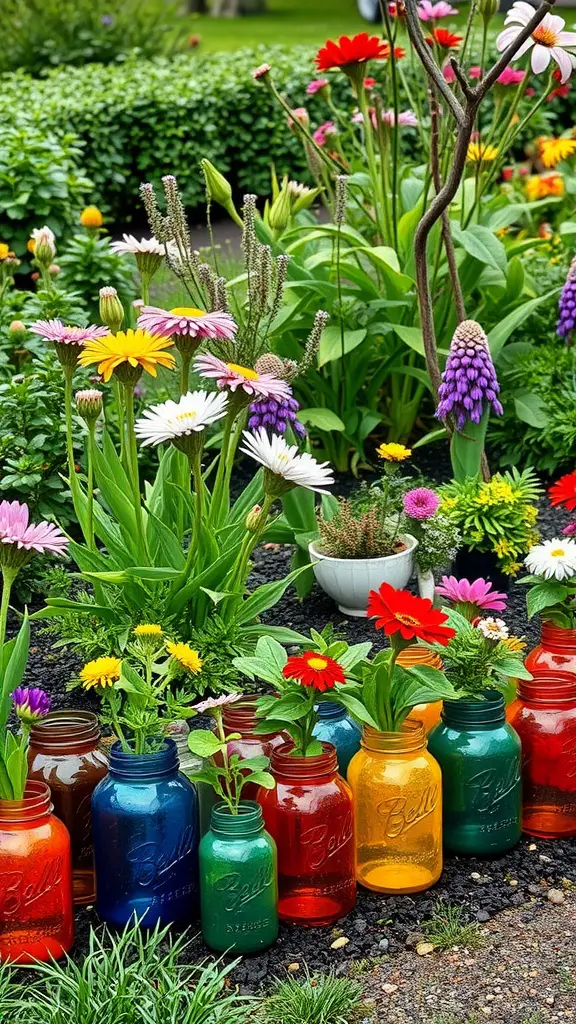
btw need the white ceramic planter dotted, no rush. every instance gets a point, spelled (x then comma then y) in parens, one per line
(348, 581)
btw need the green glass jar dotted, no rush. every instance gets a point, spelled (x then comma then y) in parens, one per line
(238, 881)
(480, 758)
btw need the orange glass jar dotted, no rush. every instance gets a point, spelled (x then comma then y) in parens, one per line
(240, 717)
(556, 651)
(65, 753)
(397, 791)
(428, 714)
(544, 716)
(36, 915)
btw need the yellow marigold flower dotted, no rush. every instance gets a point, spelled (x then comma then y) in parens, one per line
(185, 656)
(481, 152)
(553, 151)
(393, 452)
(539, 186)
(101, 672)
(91, 217)
(147, 629)
(127, 352)
(31, 245)
(4, 250)
(514, 643)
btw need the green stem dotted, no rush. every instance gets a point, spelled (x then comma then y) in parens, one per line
(90, 461)
(121, 425)
(371, 157)
(196, 468)
(231, 799)
(68, 379)
(132, 458)
(9, 574)
(184, 373)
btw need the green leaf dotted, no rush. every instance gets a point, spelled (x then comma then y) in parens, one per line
(314, 749)
(466, 448)
(322, 419)
(331, 343)
(411, 336)
(254, 763)
(15, 668)
(204, 743)
(498, 335)
(266, 596)
(355, 707)
(480, 242)
(385, 259)
(263, 779)
(544, 595)
(531, 409)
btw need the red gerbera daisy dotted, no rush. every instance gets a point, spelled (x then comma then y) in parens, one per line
(314, 669)
(447, 40)
(414, 618)
(346, 51)
(399, 53)
(563, 492)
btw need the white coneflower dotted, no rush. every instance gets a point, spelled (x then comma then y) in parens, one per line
(493, 629)
(553, 559)
(286, 467)
(148, 252)
(173, 420)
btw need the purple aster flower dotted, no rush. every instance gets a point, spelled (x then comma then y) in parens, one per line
(107, 19)
(570, 530)
(275, 415)
(420, 503)
(30, 704)
(469, 381)
(567, 306)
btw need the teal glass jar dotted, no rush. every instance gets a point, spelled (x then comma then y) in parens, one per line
(480, 758)
(337, 727)
(238, 881)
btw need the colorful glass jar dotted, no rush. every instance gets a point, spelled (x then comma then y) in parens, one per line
(556, 651)
(145, 826)
(480, 758)
(336, 726)
(544, 716)
(309, 815)
(36, 914)
(428, 714)
(64, 753)
(189, 764)
(397, 790)
(238, 881)
(240, 717)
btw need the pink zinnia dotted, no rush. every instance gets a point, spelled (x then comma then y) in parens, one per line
(186, 320)
(232, 376)
(323, 133)
(315, 85)
(17, 531)
(428, 11)
(449, 74)
(511, 77)
(475, 72)
(55, 330)
(478, 594)
(420, 503)
(406, 118)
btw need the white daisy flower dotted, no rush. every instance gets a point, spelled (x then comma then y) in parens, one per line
(172, 420)
(286, 463)
(548, 39)
(493, 629)
(553, 559)
(133, 245)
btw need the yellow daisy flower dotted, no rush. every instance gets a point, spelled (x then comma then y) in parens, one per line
(91, 217)
(553, 151)
(4, 250)
(101, 672)
(185, 655)
(513, 643)
(393, 452)
(481, 153)
(147, 629)
(127, 352)
(539, 186)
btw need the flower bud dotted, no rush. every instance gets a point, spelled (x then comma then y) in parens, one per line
(300, 116)
(487, 9)
(254, 519)
(217, 187)
(44, 246)
(17, 327)
(111, 309)
(269, 362)
(89, 404)
(281, 210)
(91, 217)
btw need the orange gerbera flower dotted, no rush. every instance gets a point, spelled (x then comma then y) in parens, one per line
(444, 38)
(349, 51)
(315, 670)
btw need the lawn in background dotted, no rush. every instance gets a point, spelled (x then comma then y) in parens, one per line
(288, 22)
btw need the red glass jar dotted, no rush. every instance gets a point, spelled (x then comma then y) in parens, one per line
(64, 753)
(310, 816)
(36, 915)
(556, 651)
(544, 716)
(240, 717)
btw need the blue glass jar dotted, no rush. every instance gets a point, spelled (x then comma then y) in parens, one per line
(145, 829)
(337, 727)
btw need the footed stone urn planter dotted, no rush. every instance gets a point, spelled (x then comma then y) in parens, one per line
(348, 581)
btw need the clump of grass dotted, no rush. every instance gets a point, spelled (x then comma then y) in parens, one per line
(316, 999)
(364, 966)
(449, 927)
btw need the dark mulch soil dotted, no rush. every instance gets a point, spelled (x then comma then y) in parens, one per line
(379, 924)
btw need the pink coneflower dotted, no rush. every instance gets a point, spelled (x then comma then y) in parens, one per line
(316, 85)
(511, 77)
(211, 703)
(188, 321)
(233, 376)
(55, 330)
(449, 74)
(323, 133)
(19, 538)
(420, 503)
(470, 598)
(406, 118)
(428, 11)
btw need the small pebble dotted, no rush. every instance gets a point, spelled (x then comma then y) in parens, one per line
(293, 968)
(389, 988)
(482, 916)
(383, 945)
(340, 943)
(424, 948)
(555, 896)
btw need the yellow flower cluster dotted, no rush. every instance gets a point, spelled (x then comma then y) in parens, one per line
(100, 672)
(495, 492)
(147, 629)
(393, 452)
(91, 217)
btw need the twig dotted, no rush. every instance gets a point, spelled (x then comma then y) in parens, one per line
(446, 230)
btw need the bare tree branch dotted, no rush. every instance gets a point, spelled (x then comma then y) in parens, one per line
(446, 230)
(462, 80)
(427, 59)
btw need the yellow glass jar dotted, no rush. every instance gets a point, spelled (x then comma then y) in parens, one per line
(397, 791)
(428, 714)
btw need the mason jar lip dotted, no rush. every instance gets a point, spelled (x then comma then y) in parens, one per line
(65, 729)
(249, 819)
(411, 736)
(559, 636)
(283, 762)
(486, 709)
(327, 709)
(548, 686)
(131, 765)
(36, 803)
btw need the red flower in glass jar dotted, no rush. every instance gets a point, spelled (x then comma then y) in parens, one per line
(414, 618)
(563, 492)
(315, 670)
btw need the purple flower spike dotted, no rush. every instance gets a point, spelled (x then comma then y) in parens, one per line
(30, 704)
(567, 306)
(420, 503)
(274, 414)
(469, 380)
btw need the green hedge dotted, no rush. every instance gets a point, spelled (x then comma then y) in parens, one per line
(139, 120)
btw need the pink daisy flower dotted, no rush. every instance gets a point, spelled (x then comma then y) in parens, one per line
(511, 77)
(233, 376)
(55, 330)
(406, 118)
(479, 594)
(324, 132)
(16, 531)
(428, 11)
(211, 703)
(315, 85)
(187, 320)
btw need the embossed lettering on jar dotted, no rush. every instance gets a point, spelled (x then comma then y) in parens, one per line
(396, 786)
(480, 758)
(36, 915)
(145, 825)
(310, 817)
(64, 752)
(544, 716)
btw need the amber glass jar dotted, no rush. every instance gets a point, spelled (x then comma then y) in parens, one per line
(65, 754)
(544, 716)
(36, 916)
(309, 815)
(428, 714)
(556, 651)
(240, 717)
(397, 790)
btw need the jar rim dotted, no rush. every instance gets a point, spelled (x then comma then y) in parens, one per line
(163, 761)
(559, 636)
(488, 708)
(36, 803)
(548, 686)
(248, 820)
(283, 762)
(327, 709)
(65, 729)
(410, 736)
